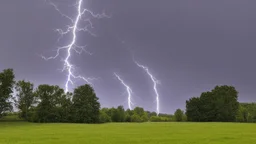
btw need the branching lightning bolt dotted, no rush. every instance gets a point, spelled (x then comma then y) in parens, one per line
(72, 46)
(155, 82)
(128, 89)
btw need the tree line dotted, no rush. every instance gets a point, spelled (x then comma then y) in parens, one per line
(220, 105)
(49, 103)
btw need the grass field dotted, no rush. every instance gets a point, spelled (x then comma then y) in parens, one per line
(129, 133)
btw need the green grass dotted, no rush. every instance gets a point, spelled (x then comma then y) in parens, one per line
(127, 133)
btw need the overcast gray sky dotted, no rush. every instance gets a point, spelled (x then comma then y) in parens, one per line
(190, 46)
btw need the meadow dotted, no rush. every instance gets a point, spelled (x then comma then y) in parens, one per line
(127, 133)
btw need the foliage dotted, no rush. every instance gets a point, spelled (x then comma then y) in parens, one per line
(136, 118)
(6, 86)
(139, 111)
(104, 118)
(246, 112)
(85, 108)
(121, 113)
(50, 103)
(155, 119)
(25, 97)
(144, 117)
(179, 115)
(220, 105)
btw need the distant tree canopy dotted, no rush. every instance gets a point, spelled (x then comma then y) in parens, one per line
(49, 103)
(246, 112)
(219, 105)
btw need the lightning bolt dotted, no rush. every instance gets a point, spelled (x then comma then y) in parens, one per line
(128, 89)
(73, 29)
(155, 82)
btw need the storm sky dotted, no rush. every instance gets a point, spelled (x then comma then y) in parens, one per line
(190, 46)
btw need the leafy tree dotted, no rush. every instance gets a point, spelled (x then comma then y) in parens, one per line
(50, 102)
(25, 97)
(85, 108)
(192, 109)
(246, 112)
(115, 117)
(107, 111)
(218, 105)
(104, 118)
(150, 114)
(128, 115)
(178, 115)
(6, 85)
(207, 107)
(242, 115)
(64, 107)
(121, 113)
(128, 118)
(135, 118)
(155, 119)
(139, 111)
(144, 117)
(184, 117)
(226, 103)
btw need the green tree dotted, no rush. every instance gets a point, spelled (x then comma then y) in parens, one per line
(121, 113)
(226, 103)
(192, 109)
(50, 102)
(150, 114)
(184, 117)
(86, 108)
(6, 85)
(246, 112)
(207, 107)
(178, 115)
(155, 119)
(218, 105)
(25, 97)
(118, 114)
(135, 118)
(128, 115)
(242, 115)
(104, 117)
(64, 107)
(115, 117)
(107, 111)
(144, 117)
(139, 111)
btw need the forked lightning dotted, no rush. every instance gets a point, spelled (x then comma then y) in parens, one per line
(128, 89)
(155, 82)
(72, 46)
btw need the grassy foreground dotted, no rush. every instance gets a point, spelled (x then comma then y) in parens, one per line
(127, 133)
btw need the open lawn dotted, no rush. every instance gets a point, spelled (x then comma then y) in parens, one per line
(127, 133)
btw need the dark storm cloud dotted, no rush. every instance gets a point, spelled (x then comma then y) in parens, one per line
(190, 46)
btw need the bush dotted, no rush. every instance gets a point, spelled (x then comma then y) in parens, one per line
(155, 119)
(104, 118)
(128, 118)
(135, 118)
(144, 118)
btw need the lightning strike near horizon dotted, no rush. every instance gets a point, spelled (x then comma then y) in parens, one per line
(155, 82)
(73, 29)
(128, 89)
